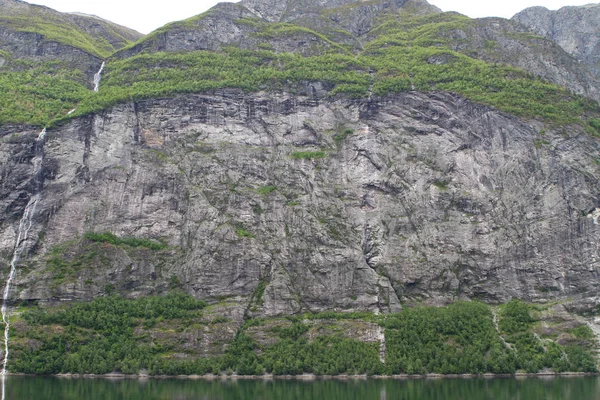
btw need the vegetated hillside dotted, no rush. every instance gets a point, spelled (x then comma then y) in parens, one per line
(37, 32)
(48, 59)
(299, 158)
(169, 336)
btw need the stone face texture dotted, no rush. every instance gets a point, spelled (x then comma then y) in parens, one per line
(410, 198)
(239, 24)
(575, 29)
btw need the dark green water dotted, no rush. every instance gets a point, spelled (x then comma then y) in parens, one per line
(45, 388)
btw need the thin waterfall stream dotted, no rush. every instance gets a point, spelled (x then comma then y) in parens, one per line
(25, 225)
(98, 77)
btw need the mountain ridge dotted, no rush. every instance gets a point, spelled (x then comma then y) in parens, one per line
(573, 28)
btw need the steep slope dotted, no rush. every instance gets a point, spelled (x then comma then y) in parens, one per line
(306, 27)
(314, 28)
(494, 40)
(37, 32)
(304, 157)
(48, 59)
(399, 199)
(575, 29)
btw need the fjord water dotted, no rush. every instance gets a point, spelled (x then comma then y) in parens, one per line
(51, 388)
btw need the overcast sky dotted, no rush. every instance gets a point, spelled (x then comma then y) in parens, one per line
(145, 16)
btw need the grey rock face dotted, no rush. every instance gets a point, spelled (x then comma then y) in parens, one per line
(238, 24)
(35, 47)
(327, 204)
(575, 29)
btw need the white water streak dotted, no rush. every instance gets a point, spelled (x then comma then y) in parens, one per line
(22, 235)
(98, 77)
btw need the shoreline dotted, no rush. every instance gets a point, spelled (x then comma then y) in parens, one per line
(311, 377)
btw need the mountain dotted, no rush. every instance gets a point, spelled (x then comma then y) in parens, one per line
(34, 36)
(305, 167)
(34, 31)
(48, 59)
(575, 29)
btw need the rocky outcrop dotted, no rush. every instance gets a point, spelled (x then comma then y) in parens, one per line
(575, 29)
(34, 46)
(317, 26)
(25, 17)
(289, 203)
(355, 17)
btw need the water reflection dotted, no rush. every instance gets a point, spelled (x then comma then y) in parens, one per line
(48, 388)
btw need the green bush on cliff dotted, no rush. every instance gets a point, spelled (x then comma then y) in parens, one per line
(107, 237)
(39, 95)
(534, 354)
(393, 70)
(515, 317)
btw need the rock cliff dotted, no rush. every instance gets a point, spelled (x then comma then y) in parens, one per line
(341, 205)
(307, 193)
(575, 29)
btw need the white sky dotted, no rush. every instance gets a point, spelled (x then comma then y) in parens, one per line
(147, 15)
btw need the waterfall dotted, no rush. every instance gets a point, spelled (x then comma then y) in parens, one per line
(22, 236)
(24, 227)
(97, 77)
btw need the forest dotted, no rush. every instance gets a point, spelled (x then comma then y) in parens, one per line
(113, 334)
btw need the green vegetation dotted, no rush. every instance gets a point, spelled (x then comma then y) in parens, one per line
(326, 355)
(515, 317)
(114, 334)
(60, 31)
(111, 238)
(64, 28)
(280, 30)
(64, 266)
(39, 94)
(593, 127)
(441, 184)
(98, 337)
(341, 135)
(456, 339)
(403, 53)
(395, 69)
(308, 155)
(264, 190)
(241, 232)
(84, 260)
(533, 354)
